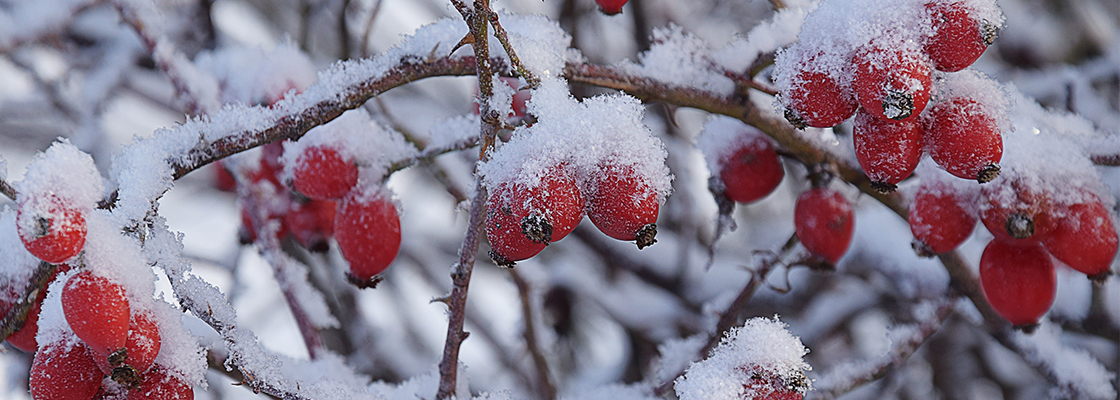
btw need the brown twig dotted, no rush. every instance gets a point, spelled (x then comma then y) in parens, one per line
(17, 315)
(461, 271)
(7, 190)
(500, 33)
(544, 375)
(898, 355)
(1110, 160)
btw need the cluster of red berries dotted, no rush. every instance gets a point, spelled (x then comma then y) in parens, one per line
(611, 7)
(521, 218)
(329, 203)
(886, 83)
(106, 337)
(1029, 225)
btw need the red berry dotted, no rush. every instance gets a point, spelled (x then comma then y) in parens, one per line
(312, 223)
(159, 384)
(51, 229)
(521, 220)
(97, 311)
(891, 82)
(1012, 211)
(1018, 280)
(766, 385)
(938, 217)
(24, 338)
(623, 205)
(817, 98)
(824, 222)
(1085, 240)
(64, 371)
(611, 7)
(270, 166)
(520, 97)
(142, 345)
(223, 179)
(964, 140)
(368, 231)
(321, 173)
(752, 171)
(958, 38)
(888, 151)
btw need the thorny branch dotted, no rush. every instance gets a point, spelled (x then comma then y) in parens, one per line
(461, 271)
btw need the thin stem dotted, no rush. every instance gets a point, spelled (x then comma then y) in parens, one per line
(461, 271)
(500, 33)
(898, 355)
(544, 375)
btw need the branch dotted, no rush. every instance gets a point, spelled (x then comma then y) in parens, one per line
(874, 370)
(7, 190)
(461, 271)
(17, 315)
(544, 376)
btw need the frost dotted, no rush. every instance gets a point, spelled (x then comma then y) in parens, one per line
(587, 136)
(1076, 370)
(677, 354)
(722, 136)
(761, 345)
(18, 265)
(64, 172)
(769, 36)
(680, 58)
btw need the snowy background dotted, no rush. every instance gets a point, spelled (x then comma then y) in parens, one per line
(614, 322)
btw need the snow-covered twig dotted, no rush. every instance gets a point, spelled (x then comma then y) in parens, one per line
(1111, 160)
(847, 376)
(17, 315)
(7, 190)
(461, 271)
(503, 37)
(197, 89)
(544, 375)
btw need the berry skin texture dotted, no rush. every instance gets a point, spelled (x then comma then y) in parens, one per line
(1019, 281)
(751, 172)
(322, 173)
(622, 205)
(938, 220)
(958, 39)
(521, 221)
(97, 311)
(824, 222)
(142, 345)
(51, 229)
(1085, 240)
(368, 231)
(611, 7)
(888, 151)
(818, 99)
(160, 385)
(891, 83)
(62, 371)
(964, 140)
(766, 385)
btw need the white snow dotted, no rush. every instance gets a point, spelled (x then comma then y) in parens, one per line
(761, 343)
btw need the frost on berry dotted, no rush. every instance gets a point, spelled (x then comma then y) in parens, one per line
(368, 231)
(742, 157)
(601, 139)
(960, 33)
(964, 128)
(943, 213)
(891, 81)
(521, 219)
(97, 310)
(888, 151)
(139, 352)
(1086, 240)
(824, 222)
(622, 205)
(64, 370)
(311, 223)
(60, 186)
(1019, 280)
(760, 360)
(160, 384)
(817, 93)
(322, 173)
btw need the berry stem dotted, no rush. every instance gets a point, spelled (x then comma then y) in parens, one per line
(17, 315)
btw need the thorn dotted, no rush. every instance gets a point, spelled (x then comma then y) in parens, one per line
(469, 39)
(445, 299)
